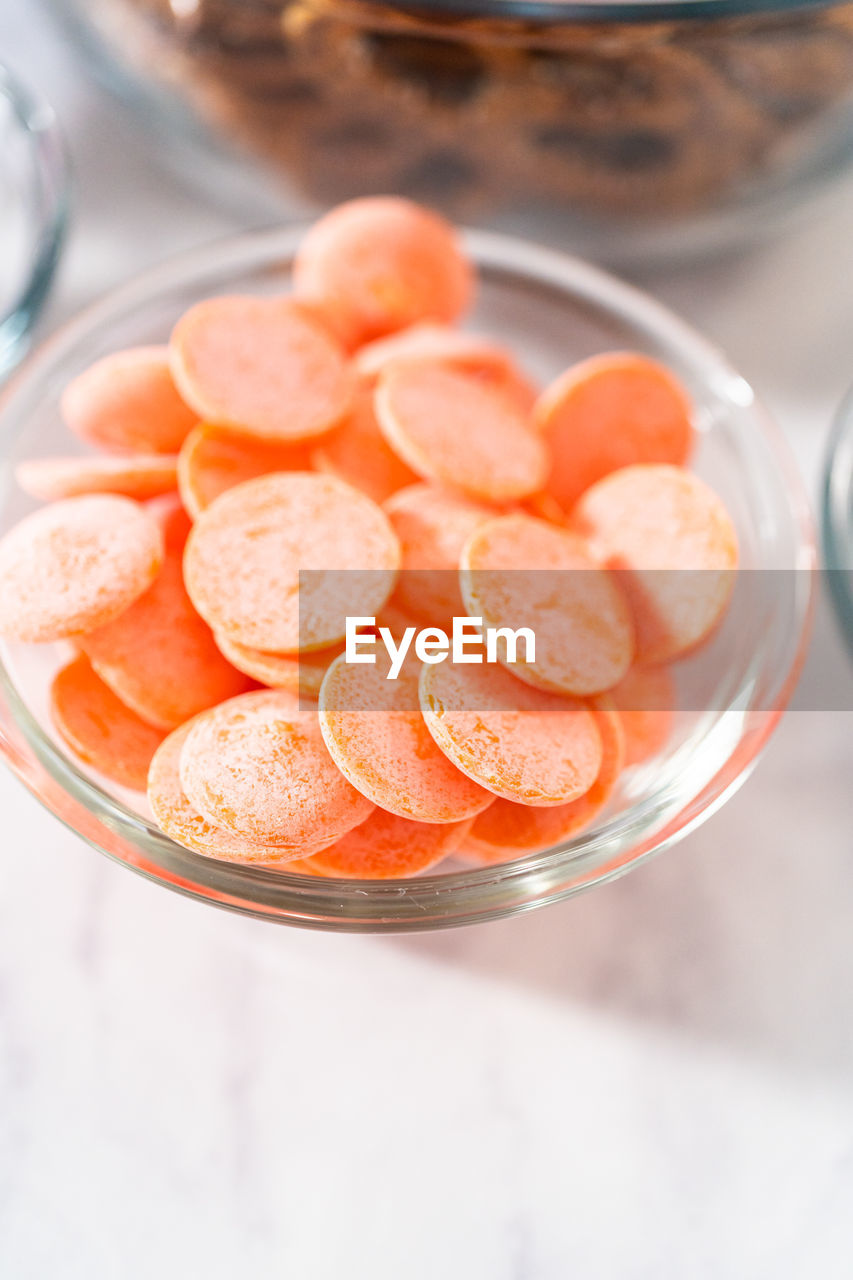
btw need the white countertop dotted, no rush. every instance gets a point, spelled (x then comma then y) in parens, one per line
(652, 1082)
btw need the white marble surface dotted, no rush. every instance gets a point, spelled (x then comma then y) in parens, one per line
(650, 1083)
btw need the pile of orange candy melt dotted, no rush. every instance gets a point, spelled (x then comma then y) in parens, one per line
(350, 426)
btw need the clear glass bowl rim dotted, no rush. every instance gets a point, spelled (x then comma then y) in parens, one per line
(427, 901)
(837, 517)
(37, 122)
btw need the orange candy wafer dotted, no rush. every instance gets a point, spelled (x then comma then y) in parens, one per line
(387, 847)
(177, 818)
(429, 341)
(394, 619)
(257, 766)
(676, 543)
(358, 453)
(645, 700)
(375, 733)
(261, 366)
(518, 571)
(214, 459)
(470, 353)
(159, 656)
(128, 402)
(301, 673)
(99, 728)
(248, 549)
(608, 412)
(460, 432)
(519, 742)
(382, 263)
(509, 830)
(74, 565)
(433, 526)
(172, 519)
(140, 476)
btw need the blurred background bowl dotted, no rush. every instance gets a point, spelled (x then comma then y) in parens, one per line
(629, 131)
(33, 205)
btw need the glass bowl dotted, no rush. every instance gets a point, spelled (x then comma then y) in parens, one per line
(837, 521)
(628, 129)
(552, 310)
(33, 192)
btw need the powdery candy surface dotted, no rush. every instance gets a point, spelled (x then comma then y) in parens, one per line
(520, 743)
(247, 550)
(376, 735)
(181, 822)
(75, 564)
(257, 766)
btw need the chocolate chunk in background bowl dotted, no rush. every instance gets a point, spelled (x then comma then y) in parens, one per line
(671, 135)
(629, 151)
(445, 71)
(440, 175)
